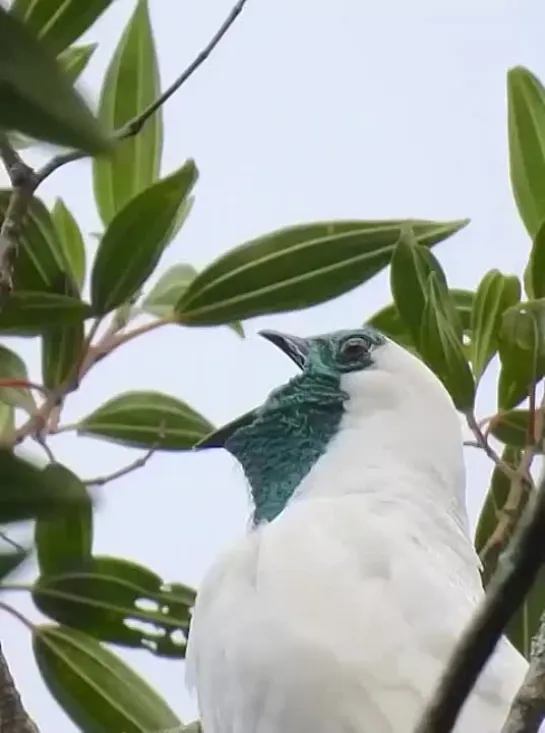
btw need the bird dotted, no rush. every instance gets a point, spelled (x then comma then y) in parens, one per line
(338, 610)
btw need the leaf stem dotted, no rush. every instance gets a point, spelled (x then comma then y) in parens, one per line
(129, 468)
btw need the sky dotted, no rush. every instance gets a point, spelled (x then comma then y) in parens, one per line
(307, 111)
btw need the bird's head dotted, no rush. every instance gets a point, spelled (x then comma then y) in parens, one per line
(353, 378)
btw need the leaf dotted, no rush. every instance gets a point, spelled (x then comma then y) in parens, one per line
(496, 293)
(535, 271)
(131, 84)
(115, 600)
(27, 313)
(12, 367)
(525, 623)
(442, 349)
(144, 225)
(10, 561)
(36, 98)
(96, 689)
(70, 242)
(410, 267)
(41, 262)
(58, 23)
(513, 428)
(297, 267)
(146, 420)
(7, 425)
(65, 540)
(28, 492)
(526, 130)
(75, 59)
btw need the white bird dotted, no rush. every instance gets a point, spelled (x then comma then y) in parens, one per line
(339, 610)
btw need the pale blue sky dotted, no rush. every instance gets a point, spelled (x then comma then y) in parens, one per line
(308, 110)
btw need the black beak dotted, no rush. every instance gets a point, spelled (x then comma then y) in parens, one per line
(296, 348)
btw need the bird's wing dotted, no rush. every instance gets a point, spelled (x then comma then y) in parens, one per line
(332, 619)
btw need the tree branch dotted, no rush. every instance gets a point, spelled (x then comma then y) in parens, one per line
(509, 586)
(528, 708)
(13, 716)
(129, 468)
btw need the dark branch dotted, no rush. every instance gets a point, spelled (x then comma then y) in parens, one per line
(13, 716)
(510, 585)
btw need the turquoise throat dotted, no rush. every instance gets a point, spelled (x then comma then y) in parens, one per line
(289, 434)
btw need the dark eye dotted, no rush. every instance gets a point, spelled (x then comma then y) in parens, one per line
(354, 348)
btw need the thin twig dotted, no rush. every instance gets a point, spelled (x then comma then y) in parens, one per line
(510, 585)
(483, 443)
(134, 126)
(528, 708)
(9, 541)
(129, 468)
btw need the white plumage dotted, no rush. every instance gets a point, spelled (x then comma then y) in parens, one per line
(340, 615)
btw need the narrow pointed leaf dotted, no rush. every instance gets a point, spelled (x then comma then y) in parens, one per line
(28, 313)
(28, 492)
(12, 367)
(535, 274)
(115, 600)
(95, 688)
(58, 23)
(70, 242)
(131, 84)
(496, 293)
(136, 238)
(36, 98)
(62, 350)
(297, 267)
(442, 350)
(65, 540)
(74, 60)
(146, 420)
(526, 125)
(514, 429)
(10, 561)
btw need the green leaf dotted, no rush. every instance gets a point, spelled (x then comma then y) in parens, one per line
(65, 540)
(131, 84)
(7, 425)
(513, 428)
(410, 267)
(27, 313)
(144, 224)
(75, 59)
(109, 599)
(297, 267)
(146, 420)
(496, 293)
(526, 129)
(96, 689)
(535, 271)
(41, 262)
(524, 625)
(70, 242)
(441, 348)
(36, 98)
(10, 561)
(58, 23)
(28, 492)
(12, 367)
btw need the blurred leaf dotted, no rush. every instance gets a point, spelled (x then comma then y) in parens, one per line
(131, 84)
(12, 367)
(512, 428)
(526, 125)
(74, 60)
(496, 293)
(143, 225)
(62, 349)
(146, 420)
(41, 261)
(65, 540)
(58, 23)
(27, 313)
(10, 561)
(297, 267)
(70, 241)
(388, 321)
(521, 354)
(110, 599)
(36, 98)
(442, 349)
(7, 425)
(96, 689)
(28, 492)
(410, 267)
(534, 275)
(524, 625)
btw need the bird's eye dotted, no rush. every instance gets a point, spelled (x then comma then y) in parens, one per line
(354, 348)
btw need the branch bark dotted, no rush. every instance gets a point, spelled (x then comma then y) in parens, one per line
(13, 716)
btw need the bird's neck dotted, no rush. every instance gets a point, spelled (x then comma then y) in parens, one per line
(290, 434)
